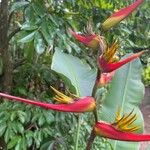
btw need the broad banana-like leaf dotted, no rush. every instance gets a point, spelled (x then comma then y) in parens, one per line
(80, 74)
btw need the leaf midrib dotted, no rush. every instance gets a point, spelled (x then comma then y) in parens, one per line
(124, 95)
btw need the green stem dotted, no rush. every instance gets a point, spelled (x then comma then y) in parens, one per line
(37, 58)
(78, 133)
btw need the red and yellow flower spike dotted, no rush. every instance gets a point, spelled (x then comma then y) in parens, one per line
(85, 104)
(109, 62)
(120, 15)
(92, 40)
(122, 129)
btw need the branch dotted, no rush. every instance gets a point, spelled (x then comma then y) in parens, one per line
(92, 136)
(13, 33)
(19, 63)
(10, 17)
(90, 140)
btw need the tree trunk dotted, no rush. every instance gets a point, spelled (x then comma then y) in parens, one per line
(4, 51)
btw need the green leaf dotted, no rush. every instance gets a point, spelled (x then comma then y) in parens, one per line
(22, 91)
(13, 115)
(18, 5)
(48, 116)
(2, 128)
(39, 8)
(29, 137)
(14, 127)
(47, 145)
(80, 74)
(23, 145)
(41, 120)
(22, 116)
(46, 32)
(7, 135)
(29, 51)
(27, 38)
(13, 142)
(75, 47)
(39, 43)
(29, 26)
(18, 146)
(20, 127)
(38, 138)
(126, 92)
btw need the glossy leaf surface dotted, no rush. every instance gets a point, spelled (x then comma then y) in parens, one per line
(80, 74)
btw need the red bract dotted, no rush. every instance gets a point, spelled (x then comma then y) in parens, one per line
(110, 66)
(120, 15)
(109, 131)
(85, 104)
(93, 41)
(122, 129)
(109, 61)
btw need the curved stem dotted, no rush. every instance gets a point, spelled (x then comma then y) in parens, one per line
(78, 132)
(93, 95)
(92, 136)
(91, 140)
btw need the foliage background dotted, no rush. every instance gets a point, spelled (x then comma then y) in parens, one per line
(41, 28)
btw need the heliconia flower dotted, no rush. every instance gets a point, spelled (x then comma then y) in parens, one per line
(93, 41)
(120, 15)
(105, 78)
(122, 129)
(85, 104)
(109, 62)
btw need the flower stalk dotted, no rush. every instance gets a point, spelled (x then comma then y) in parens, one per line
(92, 135)
(91, 140)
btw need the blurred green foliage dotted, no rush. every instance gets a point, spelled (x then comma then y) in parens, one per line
(44, 28)
(146, 74)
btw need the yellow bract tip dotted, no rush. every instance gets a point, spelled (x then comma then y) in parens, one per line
(125, 123)
(61, 98)
(118, 114)
(109, 53)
